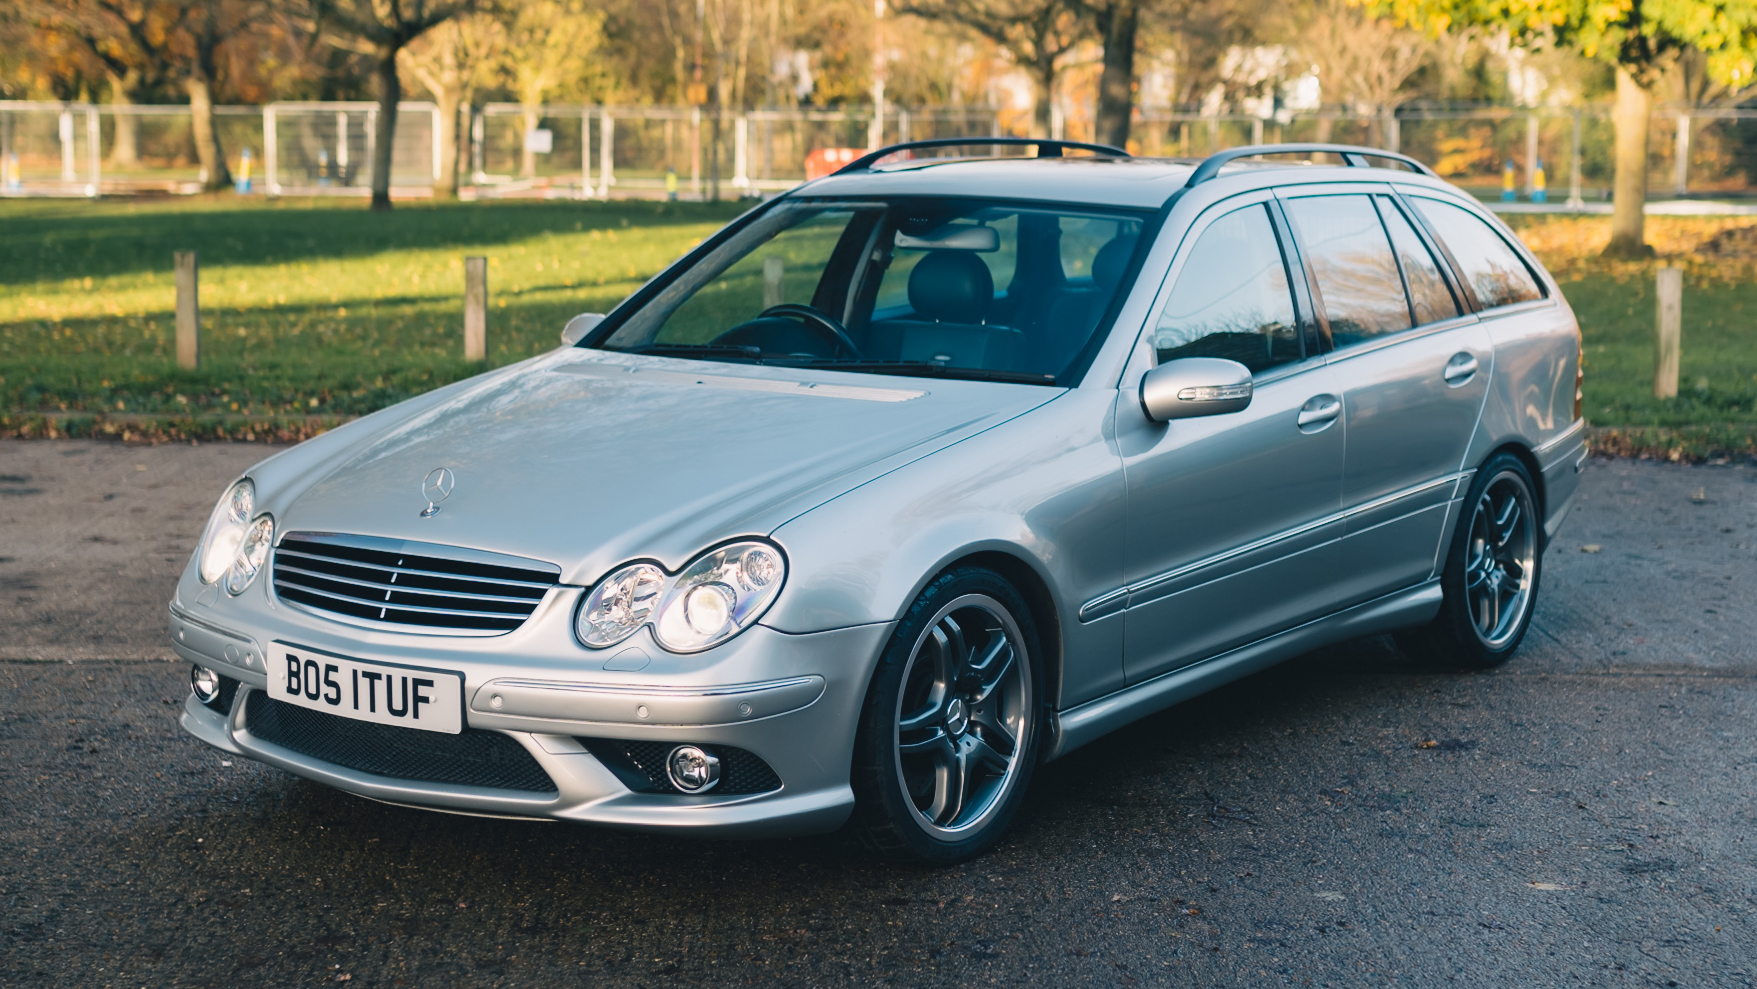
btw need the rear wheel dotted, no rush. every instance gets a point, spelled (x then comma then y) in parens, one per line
(949, 734)
(1491, 575)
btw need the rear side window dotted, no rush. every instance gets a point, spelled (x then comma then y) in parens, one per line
(1357, 273)
(1232, 299)
(1495, 271)
(1429, 297)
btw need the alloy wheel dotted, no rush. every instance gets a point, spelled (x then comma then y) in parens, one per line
(963, 716)
(1501, 560)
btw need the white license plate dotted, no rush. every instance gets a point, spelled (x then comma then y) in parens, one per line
(383, 693)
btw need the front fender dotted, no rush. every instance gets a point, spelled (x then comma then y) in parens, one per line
(1045, 489)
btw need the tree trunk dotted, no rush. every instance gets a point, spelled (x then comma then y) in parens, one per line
(1628, 218)
(446, 185)
(125, 149)
(1116, 97)
(1043, 81)
(215, 175)
(390, 93)
(528, 164)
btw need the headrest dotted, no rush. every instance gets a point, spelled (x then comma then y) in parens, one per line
(951, 287)
(1111, 259)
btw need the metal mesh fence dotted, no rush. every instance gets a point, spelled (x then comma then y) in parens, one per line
(74, 149)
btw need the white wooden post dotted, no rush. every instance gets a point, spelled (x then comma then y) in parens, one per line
(475, 309)
(342, 148)
(741, 152)
(188, 311)
(66, 134)
(271, 151)
(695, 151)
(438, 146)
(93, 152)
(606, 148)
(1667, 343)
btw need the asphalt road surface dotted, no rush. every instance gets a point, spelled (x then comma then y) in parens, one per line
(1581, 817)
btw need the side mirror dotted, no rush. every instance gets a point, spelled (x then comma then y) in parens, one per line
(1195, 386)
(579, 326)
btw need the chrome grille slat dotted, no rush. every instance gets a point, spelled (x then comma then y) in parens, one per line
(398, 605)
(416, 585)
(406, 588)
(423, 573)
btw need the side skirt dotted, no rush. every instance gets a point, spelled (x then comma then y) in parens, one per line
(1094, 719)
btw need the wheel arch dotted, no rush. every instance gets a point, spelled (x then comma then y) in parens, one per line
(1035, 589)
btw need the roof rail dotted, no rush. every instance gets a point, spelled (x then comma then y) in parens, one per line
(1351, 155)
(1046, 148)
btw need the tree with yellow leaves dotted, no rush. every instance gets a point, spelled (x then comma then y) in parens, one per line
(1642, 38)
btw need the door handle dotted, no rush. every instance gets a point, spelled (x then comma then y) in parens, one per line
(1461, 368)
(1319, 412)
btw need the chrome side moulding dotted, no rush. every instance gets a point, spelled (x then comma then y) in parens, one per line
(586, 703)
(1116, 600)
(1087, 722)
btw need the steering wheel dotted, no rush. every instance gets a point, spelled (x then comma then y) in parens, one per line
(829, 325)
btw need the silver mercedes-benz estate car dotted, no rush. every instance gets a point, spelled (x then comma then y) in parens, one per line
(902, 484)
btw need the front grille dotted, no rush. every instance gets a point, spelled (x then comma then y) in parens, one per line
(641, 766)
(408, 583)
(474, 758)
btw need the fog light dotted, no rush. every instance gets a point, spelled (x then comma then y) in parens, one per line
(692, 770)
(205, 683)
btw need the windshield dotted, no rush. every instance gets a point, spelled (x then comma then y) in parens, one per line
(942, 287)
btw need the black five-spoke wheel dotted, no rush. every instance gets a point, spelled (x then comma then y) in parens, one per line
(950, 731)
(1492, 570)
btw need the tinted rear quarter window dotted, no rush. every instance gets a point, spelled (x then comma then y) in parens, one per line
(1495, 271)
(1429, 295)
(1357, 273)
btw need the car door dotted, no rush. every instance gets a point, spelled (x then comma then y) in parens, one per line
(1230, 518)
(1413, 364)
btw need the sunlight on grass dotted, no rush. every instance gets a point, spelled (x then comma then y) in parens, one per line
(307, 307)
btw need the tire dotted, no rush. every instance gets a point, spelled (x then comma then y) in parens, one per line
(1493, 569)
(951, 728)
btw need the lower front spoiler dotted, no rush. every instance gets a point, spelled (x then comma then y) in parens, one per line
(586, 791)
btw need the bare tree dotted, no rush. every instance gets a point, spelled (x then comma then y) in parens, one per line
(1362, 60)
(381, 29)
(1036, 33)
(452, 61)
(548, 44)
(1117, 22)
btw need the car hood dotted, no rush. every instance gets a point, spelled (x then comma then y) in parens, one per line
(587, 458)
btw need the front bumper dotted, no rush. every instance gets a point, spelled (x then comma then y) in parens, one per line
(791, 700)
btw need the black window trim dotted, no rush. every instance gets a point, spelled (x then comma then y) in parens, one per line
(1210, 215)
(1513, 244)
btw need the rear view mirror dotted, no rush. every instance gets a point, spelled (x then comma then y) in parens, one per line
(1195, 386)
(953, 237)
(579, 326)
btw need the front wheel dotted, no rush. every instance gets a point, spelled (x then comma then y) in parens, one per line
(949, 733)
(1491, 574)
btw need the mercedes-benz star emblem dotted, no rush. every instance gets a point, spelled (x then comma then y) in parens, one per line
(436, 488)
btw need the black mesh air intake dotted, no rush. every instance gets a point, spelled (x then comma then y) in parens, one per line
(473, 758)
(641, 766)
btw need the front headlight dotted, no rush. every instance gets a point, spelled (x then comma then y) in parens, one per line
(721, 593)
(251, 554)
(225, 531)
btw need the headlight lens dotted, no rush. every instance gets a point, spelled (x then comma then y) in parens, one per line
(225, 531)
(620, 605)
(721, 593)
(251, 554)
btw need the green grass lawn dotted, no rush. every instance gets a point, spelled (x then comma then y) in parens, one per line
(308, 307)
(319, 308)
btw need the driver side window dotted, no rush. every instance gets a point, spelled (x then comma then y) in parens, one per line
(1232, 299)
(787, 268)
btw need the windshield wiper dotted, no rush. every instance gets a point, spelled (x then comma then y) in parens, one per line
(922, 369)
(701, 350)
